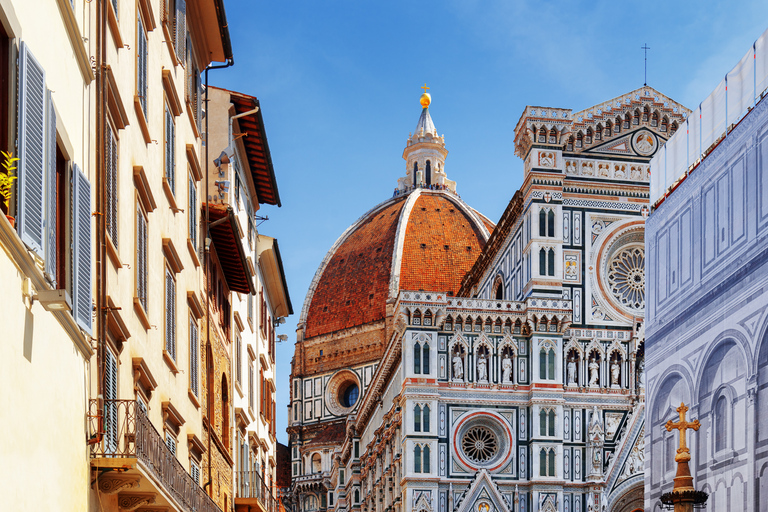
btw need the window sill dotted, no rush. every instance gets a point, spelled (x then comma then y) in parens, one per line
(239, 389)
(193, 399)
(169, 194)
(169, 361)
(114, 257)
(142, 119)
(139, 309)
(193, 253)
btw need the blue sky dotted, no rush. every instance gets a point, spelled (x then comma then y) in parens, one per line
(338, 83)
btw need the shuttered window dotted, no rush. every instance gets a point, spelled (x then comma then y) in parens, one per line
(51, 187)
(110, 404)
(81, 249)
(141, 64)
(111, 162)
(194, 357)
(170, 148)
(192, 211)
(251, 396)
(194, 471)
(141, 256)
(32, 150)
(170, 314)
(170, 442)
(180, 27)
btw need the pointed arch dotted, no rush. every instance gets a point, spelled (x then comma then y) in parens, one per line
(553, 136)
(599, 131)
(428, 173)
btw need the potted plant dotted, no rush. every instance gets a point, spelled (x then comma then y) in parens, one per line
(6, 183)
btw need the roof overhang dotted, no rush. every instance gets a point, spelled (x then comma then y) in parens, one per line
(207, 21)
(256, 147)
(226, 239)
(273, 275)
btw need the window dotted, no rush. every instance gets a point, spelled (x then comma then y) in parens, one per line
(175, 18)
(193, 88)
(425, 359)
(417, 358)
(170, 314)
(421, 459)
(417, 418)
(194, 357)
(141, 255)
(192, 212)
(170, 148)
(110, 403)
(546, 261)
(547, 422)
(141, 64)
(238, 359)
(170, 442)
(547, 363)
(417, 459)
(547, 462)
(425, 418)
(546, 222)
(721, 423)
(317, 466)
(421, 418)
(250, 310)
(250, 389)
(111, 175)
(194, 471)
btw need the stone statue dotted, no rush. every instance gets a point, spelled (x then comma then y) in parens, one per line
(458, 367)
(506, 370)
(641, 374)
(594, 370)
(571, 372)
(615, 369)
(482, 368)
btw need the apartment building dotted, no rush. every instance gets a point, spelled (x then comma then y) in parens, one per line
(121, 305)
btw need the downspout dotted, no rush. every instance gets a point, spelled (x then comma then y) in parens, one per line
(206, 268)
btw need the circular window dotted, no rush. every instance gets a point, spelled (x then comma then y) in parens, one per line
(483, 439)
(348, 395)
(342, 392)
(626, 277)
(479, 444)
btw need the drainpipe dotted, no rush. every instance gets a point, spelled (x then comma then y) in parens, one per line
(206, 271)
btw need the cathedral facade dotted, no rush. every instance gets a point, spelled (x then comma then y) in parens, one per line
(521, 389)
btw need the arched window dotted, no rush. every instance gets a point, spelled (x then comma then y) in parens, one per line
(425, 359)
(551, 223)
(425, 456)
(664, 124)
(428, 173)
(543, 462)
(551, 422)
(551, 364)
(543, 262)
(672, 129)
(553, 136)
(588, 138)
(646, 113)
(417, 358)
(599, 132)
(543, 422)
(721, 423)
(551, 262)
(357, 496)
(543, 135)
(655, 119)
(417, 459)
(499, 294)
(569, 145)
(617, 125)
(636, 117)
(627, 120)
(425, 418)
(415, 169)
(551, 462)
(317, 464)
(579, 140)
(547, 363)
(417, 418)
(542, 222)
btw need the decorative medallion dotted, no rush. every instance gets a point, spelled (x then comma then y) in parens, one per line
(479, 444)
(644, 142)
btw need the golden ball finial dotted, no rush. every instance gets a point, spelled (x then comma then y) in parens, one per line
(425, 100)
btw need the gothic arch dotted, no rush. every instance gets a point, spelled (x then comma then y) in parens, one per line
(729, 337)
(677, 372)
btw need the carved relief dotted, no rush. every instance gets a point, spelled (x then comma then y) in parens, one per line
(111, 483)
(134, 500)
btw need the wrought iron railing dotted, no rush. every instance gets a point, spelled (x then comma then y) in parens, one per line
(127, 432)
(250, 484)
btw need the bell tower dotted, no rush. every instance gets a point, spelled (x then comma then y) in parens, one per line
(425, 154)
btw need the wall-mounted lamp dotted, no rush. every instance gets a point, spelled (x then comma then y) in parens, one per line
(51, 300)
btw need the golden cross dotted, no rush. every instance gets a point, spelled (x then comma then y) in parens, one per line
(682, 426)
(425, 87)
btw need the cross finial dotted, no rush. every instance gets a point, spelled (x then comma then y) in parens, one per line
(425, 87)
(683, 453)
(645, 49)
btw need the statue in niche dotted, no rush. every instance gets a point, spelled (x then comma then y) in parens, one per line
(641, 373)
(482, 368)
(506, 369)
(458, 365)
(615, 370)
(594, 371)
(571, 372)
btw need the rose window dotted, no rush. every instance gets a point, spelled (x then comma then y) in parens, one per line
(626, 278)
(479, 444)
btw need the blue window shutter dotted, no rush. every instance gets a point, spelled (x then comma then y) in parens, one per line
(193, 356)
(141, 63)
(181, 28)
(192, 210)
(81, 248)
(111, 161)
(141, 257)
(32, 106)
(110, 404)
(170, 314)
(50, 221)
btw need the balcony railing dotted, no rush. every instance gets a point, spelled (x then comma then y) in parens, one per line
(251, 485)
(128, 433)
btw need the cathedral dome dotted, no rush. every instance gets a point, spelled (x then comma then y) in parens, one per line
(423, 240)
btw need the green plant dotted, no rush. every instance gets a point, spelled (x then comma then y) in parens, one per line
(7, 177)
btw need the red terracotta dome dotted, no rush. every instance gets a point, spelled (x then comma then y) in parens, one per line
(422, 240)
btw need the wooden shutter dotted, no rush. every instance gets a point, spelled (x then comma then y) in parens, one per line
(111, 161)
(141, 63)
(192, 208)
(81, 248)
(141, 256)
(193, 356)
(50, 191)
(170, 314)
(110, 406)
(32, 150)
(181, 29)
(170, 148)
